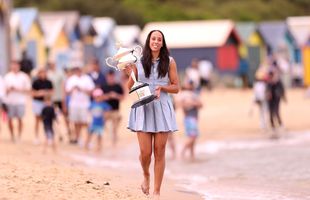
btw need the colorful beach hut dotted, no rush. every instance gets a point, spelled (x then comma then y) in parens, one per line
(299, 27)
(104, 41)
(127, 35)
(88, 34)
(253, 47)
(4, 37)
(71, 19)
(32, 37)
(71, 28)
(214, 40)
(56, 39)
(15, 33)
(280, 43)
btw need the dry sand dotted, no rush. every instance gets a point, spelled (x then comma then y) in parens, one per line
(26, 173)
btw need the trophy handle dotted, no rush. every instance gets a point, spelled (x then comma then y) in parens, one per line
(111, 63)
(138, 51)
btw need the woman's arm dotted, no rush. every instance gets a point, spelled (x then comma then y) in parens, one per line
(173, 87)
(128, 69)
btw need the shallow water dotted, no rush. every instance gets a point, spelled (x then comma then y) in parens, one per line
(255, 169)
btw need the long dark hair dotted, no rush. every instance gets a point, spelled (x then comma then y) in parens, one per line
(163, 65)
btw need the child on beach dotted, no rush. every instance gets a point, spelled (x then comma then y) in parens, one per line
(97, 109)
(48, 115)
(190, 103)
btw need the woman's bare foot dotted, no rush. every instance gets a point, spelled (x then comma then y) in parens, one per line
(155, 196)
(145, 186)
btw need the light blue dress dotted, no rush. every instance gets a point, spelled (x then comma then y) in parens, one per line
(158, 115)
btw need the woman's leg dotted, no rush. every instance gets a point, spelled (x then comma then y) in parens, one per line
(171, 142)
(277, 112)
(192, 148)
(160, 140)
(185, 147)
(145, 144)
(36, 127)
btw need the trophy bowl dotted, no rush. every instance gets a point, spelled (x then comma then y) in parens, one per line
(119, 61)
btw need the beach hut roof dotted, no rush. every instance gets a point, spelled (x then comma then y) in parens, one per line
(26, 17)
(52, 27)
(127, 35)
(299, 27)
(71, 19)
(103, 25)
(274, 33)
(86, 26)
(245, 30)
(14, 23)
(193, 34)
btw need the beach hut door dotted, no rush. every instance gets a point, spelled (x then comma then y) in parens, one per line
(32, 52)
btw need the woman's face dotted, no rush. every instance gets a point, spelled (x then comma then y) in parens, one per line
(156, 41)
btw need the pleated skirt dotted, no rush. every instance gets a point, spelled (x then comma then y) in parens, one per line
(156, 116)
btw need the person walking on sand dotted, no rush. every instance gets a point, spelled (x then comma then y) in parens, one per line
(114, 90)
(18, 86)
(97, 110)
(275, 93)
(153, 122)
(190, 103)
(79, 86)
(48, 116)
(41, 87)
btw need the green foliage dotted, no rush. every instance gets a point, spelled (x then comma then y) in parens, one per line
(142, 11)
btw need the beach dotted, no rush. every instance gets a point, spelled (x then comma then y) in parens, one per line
(232, 155)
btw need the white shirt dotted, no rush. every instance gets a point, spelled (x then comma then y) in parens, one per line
(19, 81)
(259, 91)
(2, 88)
(57, 78)
(192, 74)
(205, 69)
(79, 98)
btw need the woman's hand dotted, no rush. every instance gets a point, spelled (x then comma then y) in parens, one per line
(157, 91)
(128, 69)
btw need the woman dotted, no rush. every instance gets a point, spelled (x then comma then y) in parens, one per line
(154, 121)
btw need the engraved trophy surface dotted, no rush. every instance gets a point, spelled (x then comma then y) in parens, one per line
(119, 61)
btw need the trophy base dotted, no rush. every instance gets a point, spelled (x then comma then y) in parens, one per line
(143, 101)
(141, 85)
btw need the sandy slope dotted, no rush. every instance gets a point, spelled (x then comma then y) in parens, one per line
(26, 173)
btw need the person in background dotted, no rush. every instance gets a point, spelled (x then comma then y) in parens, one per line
(79, 87)
(275, 93)
(26, 64)
(114, 91)
(41, 87)
(259, 98)
(97, 110)
(48, 116)
(95, 74)
(190, 103)
(18, 86)
(192, 74)
(65, 102)
(205, 69)
(3, 107)
(56, 76)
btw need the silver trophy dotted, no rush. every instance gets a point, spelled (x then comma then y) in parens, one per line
(119, 61)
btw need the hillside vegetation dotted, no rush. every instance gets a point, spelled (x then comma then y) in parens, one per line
(143, 11)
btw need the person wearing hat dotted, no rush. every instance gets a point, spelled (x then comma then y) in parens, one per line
(97, 109)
